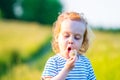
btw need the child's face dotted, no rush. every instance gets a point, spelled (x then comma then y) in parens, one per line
(70, 36)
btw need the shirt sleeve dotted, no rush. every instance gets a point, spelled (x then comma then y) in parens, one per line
(91, 75)
(50, 69)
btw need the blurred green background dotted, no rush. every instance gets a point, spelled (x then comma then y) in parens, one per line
(25, 41)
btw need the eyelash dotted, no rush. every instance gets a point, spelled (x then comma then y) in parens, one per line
(66, 36)
(77, 38)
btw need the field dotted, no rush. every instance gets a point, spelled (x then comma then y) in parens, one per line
(21, 41)
(105, 55)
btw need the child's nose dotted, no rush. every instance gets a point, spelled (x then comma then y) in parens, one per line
(70, 41)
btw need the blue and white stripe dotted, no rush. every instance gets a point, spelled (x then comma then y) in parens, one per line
(82, 70)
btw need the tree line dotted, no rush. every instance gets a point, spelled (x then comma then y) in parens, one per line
(42, 11)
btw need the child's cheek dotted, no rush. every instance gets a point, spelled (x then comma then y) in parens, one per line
(79, 44)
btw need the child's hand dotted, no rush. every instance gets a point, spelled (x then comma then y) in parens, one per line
(70, 63)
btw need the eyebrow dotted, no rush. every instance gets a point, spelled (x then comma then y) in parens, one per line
(65, 33)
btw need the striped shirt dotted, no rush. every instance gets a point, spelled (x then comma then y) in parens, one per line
(82, 70)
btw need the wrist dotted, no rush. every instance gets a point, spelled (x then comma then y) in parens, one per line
(69, 67)
(66, 69)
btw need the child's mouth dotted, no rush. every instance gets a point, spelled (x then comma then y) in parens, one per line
(69, 49)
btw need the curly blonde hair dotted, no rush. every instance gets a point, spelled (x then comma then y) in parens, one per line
(57, 25)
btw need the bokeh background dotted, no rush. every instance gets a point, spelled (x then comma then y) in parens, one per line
(25, 36)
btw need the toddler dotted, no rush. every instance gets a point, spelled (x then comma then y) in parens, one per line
(70, 42)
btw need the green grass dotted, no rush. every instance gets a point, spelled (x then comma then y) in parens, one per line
(22, 72)
(27, 72)
(105, 55)
(21, 38)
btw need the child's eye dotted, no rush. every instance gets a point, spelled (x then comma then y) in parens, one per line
(66, 35)
(77, 37)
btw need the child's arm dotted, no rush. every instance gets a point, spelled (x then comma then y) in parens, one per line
(64, 72)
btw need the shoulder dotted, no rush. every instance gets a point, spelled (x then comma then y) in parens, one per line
(51, 63)
(50, 68)
(84, 58)
(52, 59)
(55, 58)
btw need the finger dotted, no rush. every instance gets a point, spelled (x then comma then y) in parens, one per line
(72, 60)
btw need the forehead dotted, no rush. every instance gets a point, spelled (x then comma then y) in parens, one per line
(73, 26)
